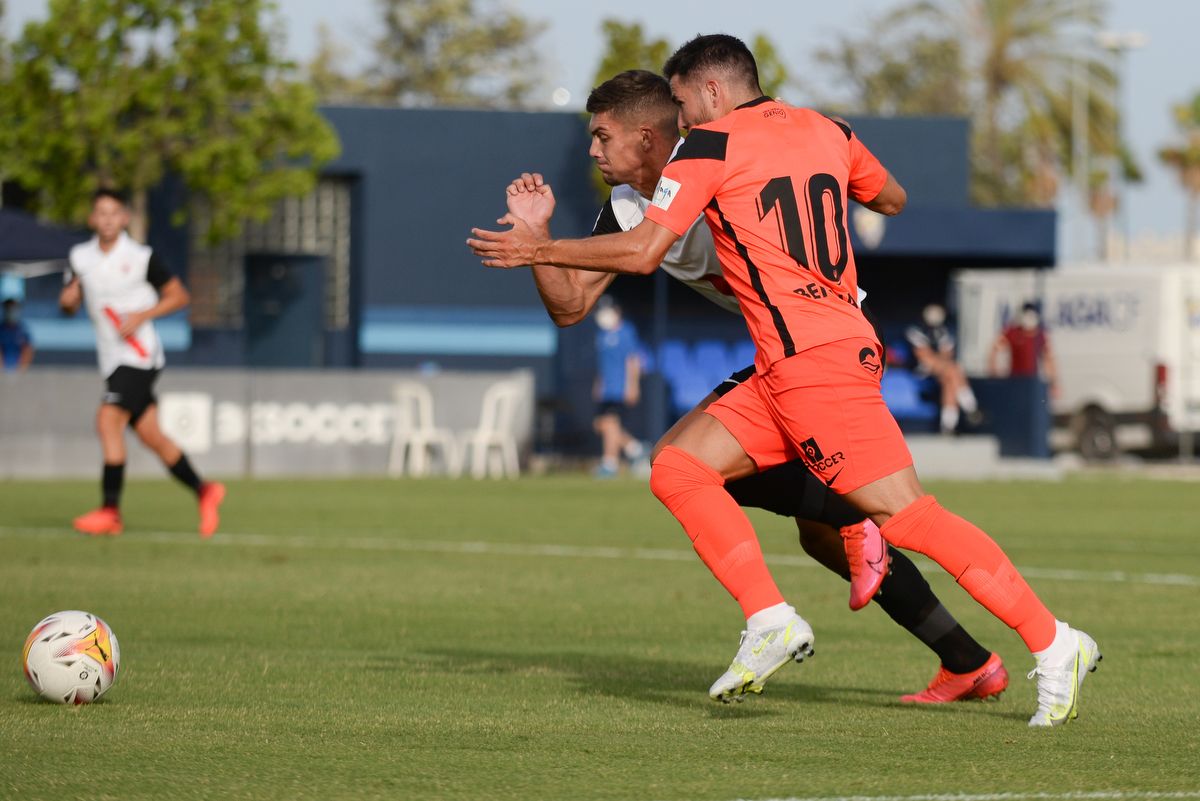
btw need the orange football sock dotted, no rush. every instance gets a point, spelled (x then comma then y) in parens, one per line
(977, 564)
(717, 526)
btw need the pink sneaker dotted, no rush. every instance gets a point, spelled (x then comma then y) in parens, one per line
(867, 554)
(946, 687)
(102, 522)
(211, 496)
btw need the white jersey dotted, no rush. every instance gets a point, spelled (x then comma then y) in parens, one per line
(123, 280)
(692, 259)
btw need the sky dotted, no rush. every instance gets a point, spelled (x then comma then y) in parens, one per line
(1164, 72)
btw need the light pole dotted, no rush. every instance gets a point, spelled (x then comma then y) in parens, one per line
(1079, 138)
(1118, 43)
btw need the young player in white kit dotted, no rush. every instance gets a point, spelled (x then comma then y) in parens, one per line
(125, 287)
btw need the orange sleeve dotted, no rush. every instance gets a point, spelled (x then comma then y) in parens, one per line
(867, 175)
(689, 181)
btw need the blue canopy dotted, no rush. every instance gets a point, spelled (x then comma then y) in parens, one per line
(26, 245)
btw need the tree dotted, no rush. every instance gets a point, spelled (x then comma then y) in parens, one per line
(123, 92)
(1184, 157)
(326, 76)
(896, 67)
(1010, 66)
(626, 47)
(455, 53)
(773, 74)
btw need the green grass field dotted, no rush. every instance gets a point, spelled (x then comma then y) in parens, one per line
(554, 639)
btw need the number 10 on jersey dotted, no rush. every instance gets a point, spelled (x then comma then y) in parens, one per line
(825, 211)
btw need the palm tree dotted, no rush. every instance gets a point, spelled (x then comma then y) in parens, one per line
(1185, 158)
(1019, 56)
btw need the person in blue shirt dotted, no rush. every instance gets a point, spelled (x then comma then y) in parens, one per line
(16, 346)
(617, 388)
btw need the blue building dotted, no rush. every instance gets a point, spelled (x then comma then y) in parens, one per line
(371, 269)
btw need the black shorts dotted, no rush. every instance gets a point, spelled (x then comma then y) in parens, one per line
(611, 407)
(132, 390)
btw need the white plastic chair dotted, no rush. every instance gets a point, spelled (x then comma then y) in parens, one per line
(415, 438)
(491, 449)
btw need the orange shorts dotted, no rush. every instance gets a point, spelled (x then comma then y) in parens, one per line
(823, 406)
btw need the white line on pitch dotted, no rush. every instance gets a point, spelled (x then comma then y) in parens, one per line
(1098, 795)
(569, 551)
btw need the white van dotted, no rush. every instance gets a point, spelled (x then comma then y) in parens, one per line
(1126, 339)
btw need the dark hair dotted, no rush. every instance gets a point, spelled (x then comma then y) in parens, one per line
(638, 95)
(1031, 305)
(108, 192)
(10, 302)
(714, 51)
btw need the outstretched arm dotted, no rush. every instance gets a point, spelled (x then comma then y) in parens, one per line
(635, 252)
(568, 295)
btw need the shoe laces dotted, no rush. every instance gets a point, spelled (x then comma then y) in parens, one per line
(854, 537)
(1047, 694)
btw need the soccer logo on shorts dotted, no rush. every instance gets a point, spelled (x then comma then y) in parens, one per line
(811, 450)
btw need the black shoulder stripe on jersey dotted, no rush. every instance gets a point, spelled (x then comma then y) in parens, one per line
(785, 336)
(845, 128)
(156, 271)
(607, 223)
(703, 144)
(758, 101)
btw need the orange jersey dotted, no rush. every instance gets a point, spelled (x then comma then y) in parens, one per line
(774, 183)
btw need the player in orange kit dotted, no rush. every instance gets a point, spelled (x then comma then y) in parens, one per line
(773, 182)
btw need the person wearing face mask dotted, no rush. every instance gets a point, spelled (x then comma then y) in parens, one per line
(933, 349)
(1028, 349)
(16, 346)
(617, 386)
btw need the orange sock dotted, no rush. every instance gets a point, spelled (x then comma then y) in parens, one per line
(717, 526)
(977, 564)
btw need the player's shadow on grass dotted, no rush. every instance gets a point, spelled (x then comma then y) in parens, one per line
(671, 682)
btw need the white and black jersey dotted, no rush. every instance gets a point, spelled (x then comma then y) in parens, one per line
(123, 280)
(692, 259)
(935, 337)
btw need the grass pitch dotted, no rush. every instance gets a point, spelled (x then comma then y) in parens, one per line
(555, 638)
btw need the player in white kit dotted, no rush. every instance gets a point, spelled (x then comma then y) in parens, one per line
(634, 134)
(125, 286)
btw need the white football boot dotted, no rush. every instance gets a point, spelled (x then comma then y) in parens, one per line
(760, 654)
(1059, 683)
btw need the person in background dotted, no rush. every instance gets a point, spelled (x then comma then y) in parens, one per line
(933, 350)
(1028, 349)
(16, 346)
(617, 388)
(125, 286)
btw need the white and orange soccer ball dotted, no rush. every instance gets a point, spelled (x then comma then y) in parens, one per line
(71, 657)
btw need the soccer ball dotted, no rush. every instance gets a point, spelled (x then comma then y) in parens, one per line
(71, 657)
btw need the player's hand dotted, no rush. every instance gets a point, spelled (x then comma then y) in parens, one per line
(70, 298)
(531, 198)
(516, 247)
(130, 323)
